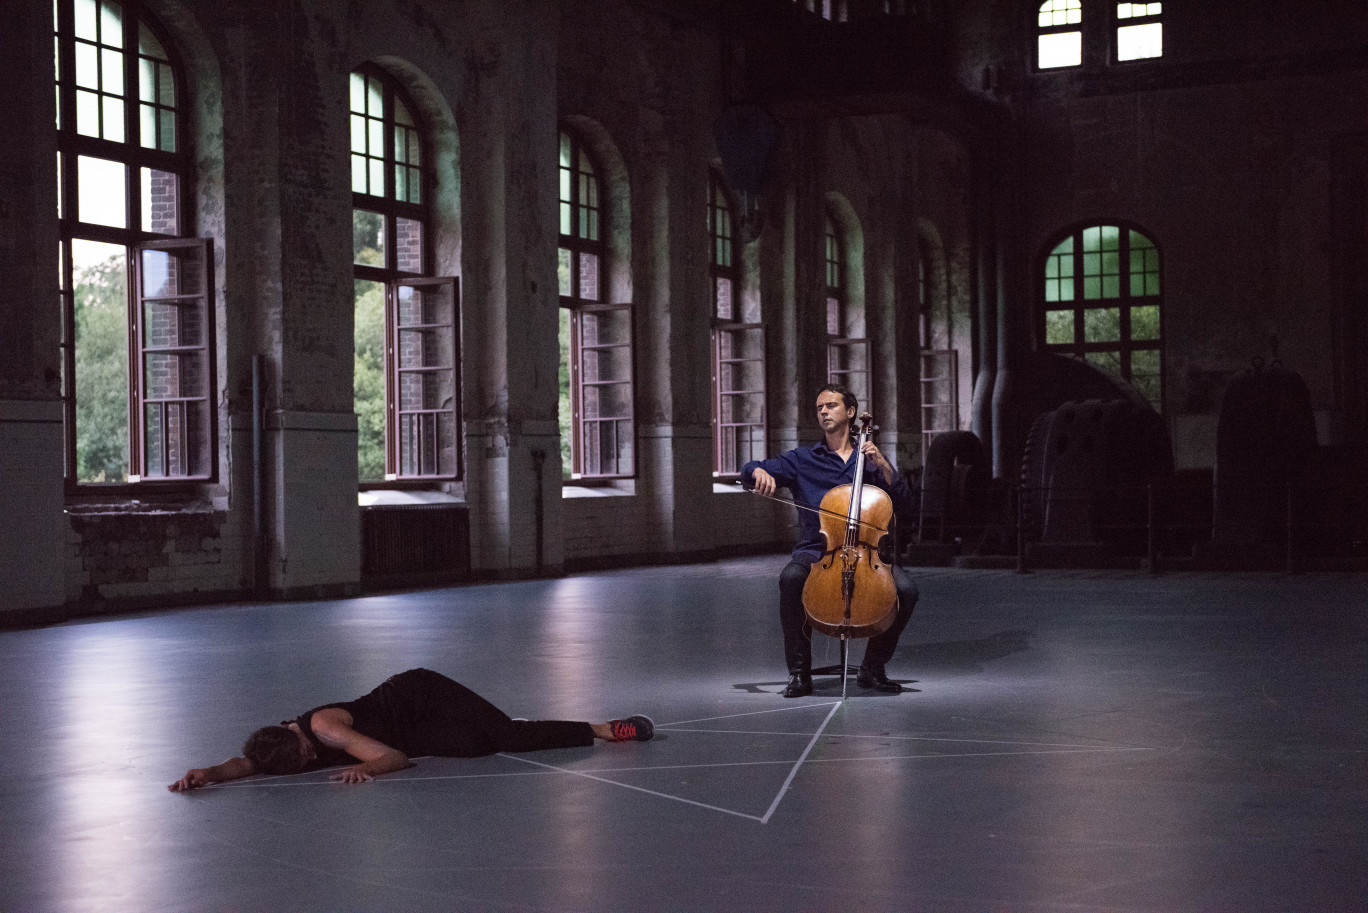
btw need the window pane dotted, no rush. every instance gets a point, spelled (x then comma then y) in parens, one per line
(87, 66)
(166, 132)
(833, 317)
(564, 412)
(375, 101)
(111, 72)
(369, 378)
(101, 192)
(358, 135)
(1059, 270)
(606, 334)
(564, 273)
(112, 119)
(87, 113)
(1145, 322)
(166, 86)
(358, 93)
(1102, 325)
(86, 20)
(358, 173)
(1060, 12)
(147, 80)
(375, 178)
(408, 245)
(160, 277)
(589, 277)
(147, 126)
(722, 298)
(1146, 375)
(1144, 266)
(1059, 328)
(169, 375)
(160, 201)
(1060, 49)
(1135, 42)
(101, 361)
(415, 185)
(176, 439)
(111, 24)
(849, 365)
(368, 238)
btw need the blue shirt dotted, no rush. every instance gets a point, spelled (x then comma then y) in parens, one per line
(809, 473)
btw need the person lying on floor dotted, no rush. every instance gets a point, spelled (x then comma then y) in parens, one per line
(412, 714)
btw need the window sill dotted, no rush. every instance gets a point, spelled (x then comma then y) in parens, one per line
(623, 489)
(389, 497)
(109, 503)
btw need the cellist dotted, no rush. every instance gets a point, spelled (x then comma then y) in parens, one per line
(809, 473)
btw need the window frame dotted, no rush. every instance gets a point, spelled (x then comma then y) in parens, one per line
(842, 350)
(395, 371)
(725, 440)
(393, 276)
(139, 162)
(1124, 301)
(584, 207)
(1118, 23)
(1039, 31)
(138, 394)
(731, 333)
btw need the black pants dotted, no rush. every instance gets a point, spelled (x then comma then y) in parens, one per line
(454, 722)
(798, 635)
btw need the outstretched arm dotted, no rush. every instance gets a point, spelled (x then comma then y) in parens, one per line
(332, 727)
(232, 769)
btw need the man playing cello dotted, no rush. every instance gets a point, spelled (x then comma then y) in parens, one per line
(809, 473)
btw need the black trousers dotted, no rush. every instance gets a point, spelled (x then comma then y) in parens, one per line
(798, 635)
(454, 722)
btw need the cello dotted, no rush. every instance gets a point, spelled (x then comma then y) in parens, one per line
(850, 590)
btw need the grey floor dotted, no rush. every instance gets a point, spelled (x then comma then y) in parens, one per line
(1070, 741)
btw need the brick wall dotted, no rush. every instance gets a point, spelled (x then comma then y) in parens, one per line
(115, 556)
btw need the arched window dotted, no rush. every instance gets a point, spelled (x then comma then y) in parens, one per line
(407, 331)
(1102, 302)
(597, 431)
(1059, 35)
(1139, 30)
(137, 337)
(738, 348)
(847, 356)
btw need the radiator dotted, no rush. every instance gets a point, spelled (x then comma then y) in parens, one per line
(400, 541)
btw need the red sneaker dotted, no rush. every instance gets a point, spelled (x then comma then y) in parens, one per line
(635, 728)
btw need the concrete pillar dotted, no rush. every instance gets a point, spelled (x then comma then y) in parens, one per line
(510, 301)
(304, 304)
(33, 536)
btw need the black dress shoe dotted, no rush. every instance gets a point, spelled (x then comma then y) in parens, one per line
(875, 680)
(800, 685)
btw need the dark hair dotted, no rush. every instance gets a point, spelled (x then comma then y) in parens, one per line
(275, 750)
(848, 396)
